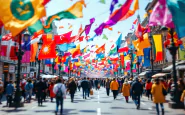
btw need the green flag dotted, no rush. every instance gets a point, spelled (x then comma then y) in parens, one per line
(113, 51)
(102, 1)
(182, 53)
(105, 37)
(109, 61)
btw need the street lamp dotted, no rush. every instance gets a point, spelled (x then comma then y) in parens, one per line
(151, 59)
(172, 47)
(138, 63)
(39, 61)
(19, 55)
(60, 54)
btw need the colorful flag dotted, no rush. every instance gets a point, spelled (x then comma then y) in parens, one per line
(64, 38)
(105, 37)
(88, 27)
(139, 32)
(181, 54)
(118, 42)
(158, 47)
(115, 17)
(17, 15)
(132, 12)
(91, 39)
(73, 12)
(113, 51)
(48, 49)
(86, 56)
(113, 3)
(135, 22)
(102, 1)
(26, 47)
(123, 48)
(146, 57)
(161, 15)
(177, 9)
(65, 47)
(100, 49)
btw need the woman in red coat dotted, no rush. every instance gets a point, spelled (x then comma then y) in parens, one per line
(52, 95)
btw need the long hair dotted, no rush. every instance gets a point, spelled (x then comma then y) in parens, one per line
(157, 81)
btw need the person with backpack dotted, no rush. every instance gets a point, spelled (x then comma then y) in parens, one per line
(60, 92)
(136, 90)
(9, 93)
(28, 88)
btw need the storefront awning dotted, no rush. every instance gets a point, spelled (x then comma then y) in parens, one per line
(179, 66)
(143, 74)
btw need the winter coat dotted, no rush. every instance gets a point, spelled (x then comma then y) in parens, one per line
(148, 86)
(136, 88)
(85, 84)
(52, 94)
(114, 85)
(72, 87)
(157, 93)
(126, 89)
(107, 84)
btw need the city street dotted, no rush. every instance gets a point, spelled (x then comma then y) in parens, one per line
(98, 104)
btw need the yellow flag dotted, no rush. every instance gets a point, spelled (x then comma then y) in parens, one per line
(17, 15)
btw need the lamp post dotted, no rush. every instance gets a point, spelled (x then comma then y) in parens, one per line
(60, 56)
(151, 59)
(19, 55)
(39, 61)
(172, 47)
(138, 63)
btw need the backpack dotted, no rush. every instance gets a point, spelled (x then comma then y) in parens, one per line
(59, 93)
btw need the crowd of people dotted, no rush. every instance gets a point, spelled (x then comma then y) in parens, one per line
(57, 88)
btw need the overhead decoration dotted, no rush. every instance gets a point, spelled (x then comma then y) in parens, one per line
(115, 17)
(113, 3)
(64, 38)
(73, 12)
(100, 49)
(104, 37)
(20, 14)
(178, 15)
(158, 47)
(88, 27)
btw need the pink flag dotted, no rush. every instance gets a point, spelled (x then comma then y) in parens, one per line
(66, 69)
(86, 56)
(26, 57)
(128, 66)
(67, 54)
(134, 70)
(56, 67)
(161, 15)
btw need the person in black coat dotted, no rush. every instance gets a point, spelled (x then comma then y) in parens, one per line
(85, 86)
(40, 91)
(136, 90)
(72, 88)
(96, 82)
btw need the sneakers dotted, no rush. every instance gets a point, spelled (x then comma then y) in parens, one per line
(138, 106)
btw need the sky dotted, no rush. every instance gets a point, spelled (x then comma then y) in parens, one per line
(101, 13)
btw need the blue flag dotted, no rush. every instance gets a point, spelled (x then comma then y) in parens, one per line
(146, 57)
(177, 9)
(65, 47)
(113, 3)
(118, 42)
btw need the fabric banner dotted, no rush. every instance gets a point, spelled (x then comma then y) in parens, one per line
(158, 47)
(146, 57)
(182, 54)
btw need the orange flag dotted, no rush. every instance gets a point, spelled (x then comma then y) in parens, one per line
(100, 49)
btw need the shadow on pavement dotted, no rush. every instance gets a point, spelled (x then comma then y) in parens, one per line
(117, 108)
(13, 110)
(105, 113)
(88, 111)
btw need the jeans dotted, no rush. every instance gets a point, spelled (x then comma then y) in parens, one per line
(28, 95)
(79, 88)
(1, 96)
(85, 93)
(157, 108)
(88, 91)
(108, 91)
(136, 99)
(114, 93)
(59, 101)
(9, 100)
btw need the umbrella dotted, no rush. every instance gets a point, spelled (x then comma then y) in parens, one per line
(158, 75)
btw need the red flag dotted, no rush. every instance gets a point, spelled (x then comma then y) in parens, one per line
(76, 53)
(64, 38)
(122, 60)
(100, 49)
(124, 49)
(112, 46)
(72, 39)
(81, 38)
(139, 32)
(135, 21)
(48, 49)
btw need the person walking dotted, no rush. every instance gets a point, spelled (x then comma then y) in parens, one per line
(158, 97)
(60, 92)
(40, 91)
(72, 88)
(23, 83)
(136, 90)
(89, 87)
(107, 85)
(85, 86)
(1, 90)
(51, 93)
(148, 88)
(114, 87)
(28, 89)
(9, 93)
(96, 82)
(45, 88)
(79, 84)
(126, 90)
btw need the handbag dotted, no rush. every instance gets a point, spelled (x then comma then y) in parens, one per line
(164, 91)
(91, 92)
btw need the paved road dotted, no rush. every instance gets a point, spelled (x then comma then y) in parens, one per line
(98, 104)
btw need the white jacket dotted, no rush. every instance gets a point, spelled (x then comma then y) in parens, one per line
(62, 86)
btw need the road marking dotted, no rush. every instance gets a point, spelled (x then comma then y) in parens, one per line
(98, 97)
(98, 111)
(150, 108)
(143, 103)
(33, 107)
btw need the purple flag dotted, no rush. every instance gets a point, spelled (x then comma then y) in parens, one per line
(114, 2)
(115, 17)
(67, 54)
(161, 15)
(88, 27)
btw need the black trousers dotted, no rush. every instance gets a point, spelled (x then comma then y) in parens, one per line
(40, 98)
(108, 91)
(114, 93)
(9, 100)
(72, 96)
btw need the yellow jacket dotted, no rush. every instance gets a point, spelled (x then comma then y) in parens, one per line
(114, 85)
(126, 89)
(157, 93)
(183, 96)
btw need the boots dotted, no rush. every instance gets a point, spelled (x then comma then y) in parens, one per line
(162, 111)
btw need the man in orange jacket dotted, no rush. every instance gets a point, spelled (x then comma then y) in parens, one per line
(114, 87)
